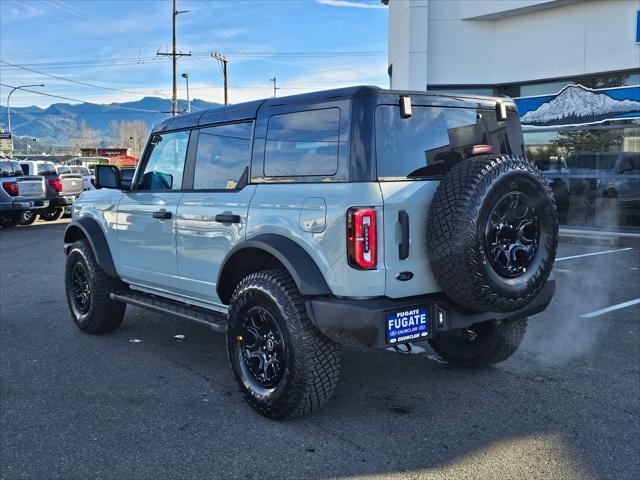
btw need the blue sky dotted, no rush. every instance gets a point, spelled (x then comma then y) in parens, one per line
(113, 44)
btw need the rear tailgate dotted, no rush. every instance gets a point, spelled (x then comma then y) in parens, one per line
(412, 155)
(72, 184)
(30, 186)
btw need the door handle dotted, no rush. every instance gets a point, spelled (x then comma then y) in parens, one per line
(403, 248)
(162, 214)
(227, 218)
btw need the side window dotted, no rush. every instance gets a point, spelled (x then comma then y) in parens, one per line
(302, 143)
(222, 156)
(25, 168)
(165, 164)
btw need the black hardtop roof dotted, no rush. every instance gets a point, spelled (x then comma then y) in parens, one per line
(246, 110)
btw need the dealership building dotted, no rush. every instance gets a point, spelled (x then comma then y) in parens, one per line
(573, 68)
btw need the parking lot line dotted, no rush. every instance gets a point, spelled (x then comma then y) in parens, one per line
(594, 253)
(611, 308)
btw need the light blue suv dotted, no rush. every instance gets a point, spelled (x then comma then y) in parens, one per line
(357, 216)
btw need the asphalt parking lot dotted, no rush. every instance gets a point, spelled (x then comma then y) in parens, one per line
(142, 403)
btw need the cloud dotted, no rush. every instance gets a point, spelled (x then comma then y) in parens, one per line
(350, 4)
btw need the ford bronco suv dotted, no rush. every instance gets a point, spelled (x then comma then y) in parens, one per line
(357, 216)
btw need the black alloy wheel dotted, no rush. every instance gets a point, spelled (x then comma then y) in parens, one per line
(261, 349)
(512, 234)
(81, 288)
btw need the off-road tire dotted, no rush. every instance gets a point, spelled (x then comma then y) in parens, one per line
(496, 341)
(457, 231)
(51, 214)
(9, 219)
(312, 361)
(104, 315)
(27, 218)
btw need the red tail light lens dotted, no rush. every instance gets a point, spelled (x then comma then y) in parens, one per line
(56, 184)
(361, 238)
(93, 182)
(11, 188)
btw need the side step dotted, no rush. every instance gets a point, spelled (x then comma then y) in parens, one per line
(217, 321)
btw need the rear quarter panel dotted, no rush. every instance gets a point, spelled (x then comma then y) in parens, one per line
(278, 208)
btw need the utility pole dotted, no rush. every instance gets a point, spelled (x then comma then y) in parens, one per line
(224, 60)
(274, 86)
(175, 54)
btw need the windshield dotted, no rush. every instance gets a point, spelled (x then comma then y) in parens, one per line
(46, 168)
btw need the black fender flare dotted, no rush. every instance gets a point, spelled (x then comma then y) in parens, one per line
(89, 228)
(302, 268)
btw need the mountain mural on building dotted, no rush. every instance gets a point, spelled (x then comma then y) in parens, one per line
(576, 104)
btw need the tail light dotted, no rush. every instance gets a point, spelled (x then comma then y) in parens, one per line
(93, 182)
(11, 188)
(56, 184)
(361, 238)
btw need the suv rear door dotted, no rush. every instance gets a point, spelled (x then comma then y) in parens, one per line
(212, 215)
(147, 215)
(412, 156)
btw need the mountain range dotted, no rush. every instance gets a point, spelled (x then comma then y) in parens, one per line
(56, 124)
(576, 104)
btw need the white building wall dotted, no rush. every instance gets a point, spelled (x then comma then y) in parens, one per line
(486, 42)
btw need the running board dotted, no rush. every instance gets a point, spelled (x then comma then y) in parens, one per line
(217, 321)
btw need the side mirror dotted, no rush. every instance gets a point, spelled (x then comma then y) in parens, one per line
(108, 176)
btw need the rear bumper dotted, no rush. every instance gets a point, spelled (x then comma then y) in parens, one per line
(362, 322)
(63, 201)
(23, 204)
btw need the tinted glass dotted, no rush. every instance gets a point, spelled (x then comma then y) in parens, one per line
(80, 170)
(303, 144)
(46, 168)
(62, 169)
(434, 139)
(25, 168)
(165, 165)
(10, 169)
(223, 154)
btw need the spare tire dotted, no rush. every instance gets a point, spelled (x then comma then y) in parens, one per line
(492, 233)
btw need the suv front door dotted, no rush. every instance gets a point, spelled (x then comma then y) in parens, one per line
(212, 215)
(147, 215)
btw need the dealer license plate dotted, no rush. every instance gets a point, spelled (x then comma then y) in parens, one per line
(407, 325)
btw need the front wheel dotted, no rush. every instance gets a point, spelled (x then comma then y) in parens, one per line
(51, 214)
(284, 366)
(28, 217)
(88, 292)
(482, 344)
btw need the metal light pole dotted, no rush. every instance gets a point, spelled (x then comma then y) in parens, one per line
(9, 98)
(186, 78)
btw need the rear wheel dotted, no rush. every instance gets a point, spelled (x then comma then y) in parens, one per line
(9, 219)
(51, 214)
(284, 366)
(28, 217)
(88, 292)
(481, 344)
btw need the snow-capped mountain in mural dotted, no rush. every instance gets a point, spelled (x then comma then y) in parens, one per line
(576, 104)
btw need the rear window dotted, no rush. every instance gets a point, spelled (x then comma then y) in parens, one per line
(434, 139)
(303, 144)
(62, 169)
(10, 169)
(46, 168)
(80, 170)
